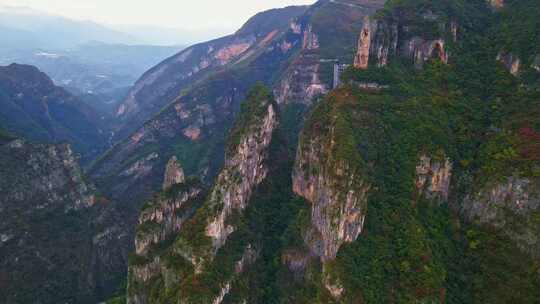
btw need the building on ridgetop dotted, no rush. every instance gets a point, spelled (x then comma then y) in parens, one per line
(338, 70)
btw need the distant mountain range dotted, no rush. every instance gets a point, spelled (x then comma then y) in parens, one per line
(25, 28)
(96, 62)
(22, 28)
(93, 67)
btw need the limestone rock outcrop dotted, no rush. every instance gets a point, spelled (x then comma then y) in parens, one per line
(181, 230)
(161, 220)
(249, 256)
(338, 200)
(244, 169)
(51, 214)
(336, 191)
(164, 216)
(62, 185)
(190, 100)
(510, 206)
(304, 79)
(381, 39)
(511, 63)
(433, 178)
(173, 173)
(161, 85)
(310, 40)
(361, 60)
(302, 82)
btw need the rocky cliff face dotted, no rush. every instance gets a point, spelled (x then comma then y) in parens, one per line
(198, 118)
(151, 89)
(55, 227)
(60, 162)
(302, 82)
(361, 60)
(162, 84)
(290, 51)
(208, 225)
(367, 228)
(165, 213)
(307, 76)
(245, 168)
(433, 178)
(363, 225)
(338, 198)
(335, 186)
(248, 257)
(160, 221)
(173, 174)
(399, 35)
(511, 62)
(510, 207)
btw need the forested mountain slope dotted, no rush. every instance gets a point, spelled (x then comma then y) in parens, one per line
(242, 175)
(415, 181)
(288, 55)
(60, 240)
(33, 107)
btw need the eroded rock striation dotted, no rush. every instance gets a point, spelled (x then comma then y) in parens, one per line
(173, 173)
(249, 257)
(189, 103)
(160, 221)
(336, 190)
(361, 60)
(162, 84)
(63, 173)
(339, 202)
(395, 35)
(302, 83)
(181, 231)
(167, 213)
(509, 206)
(306, 76)
(244, 169)
(433, 178)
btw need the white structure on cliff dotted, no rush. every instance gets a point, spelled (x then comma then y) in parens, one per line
(339, 68)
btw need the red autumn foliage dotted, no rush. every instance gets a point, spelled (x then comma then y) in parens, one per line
(529, 133)
(530, 145)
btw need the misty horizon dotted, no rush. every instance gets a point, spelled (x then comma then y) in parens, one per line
(162, 14)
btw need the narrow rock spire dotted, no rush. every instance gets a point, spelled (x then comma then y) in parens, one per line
(361, 59)
(173, 173)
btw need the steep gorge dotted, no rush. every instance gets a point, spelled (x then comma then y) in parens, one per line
(400, 191)
(193, 252)
(415, 180)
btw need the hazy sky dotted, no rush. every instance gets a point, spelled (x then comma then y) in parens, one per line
(189, 14)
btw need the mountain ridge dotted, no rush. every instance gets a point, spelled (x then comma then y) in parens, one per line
(33, 107)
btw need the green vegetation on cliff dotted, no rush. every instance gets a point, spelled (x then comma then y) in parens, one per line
(472, 111)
